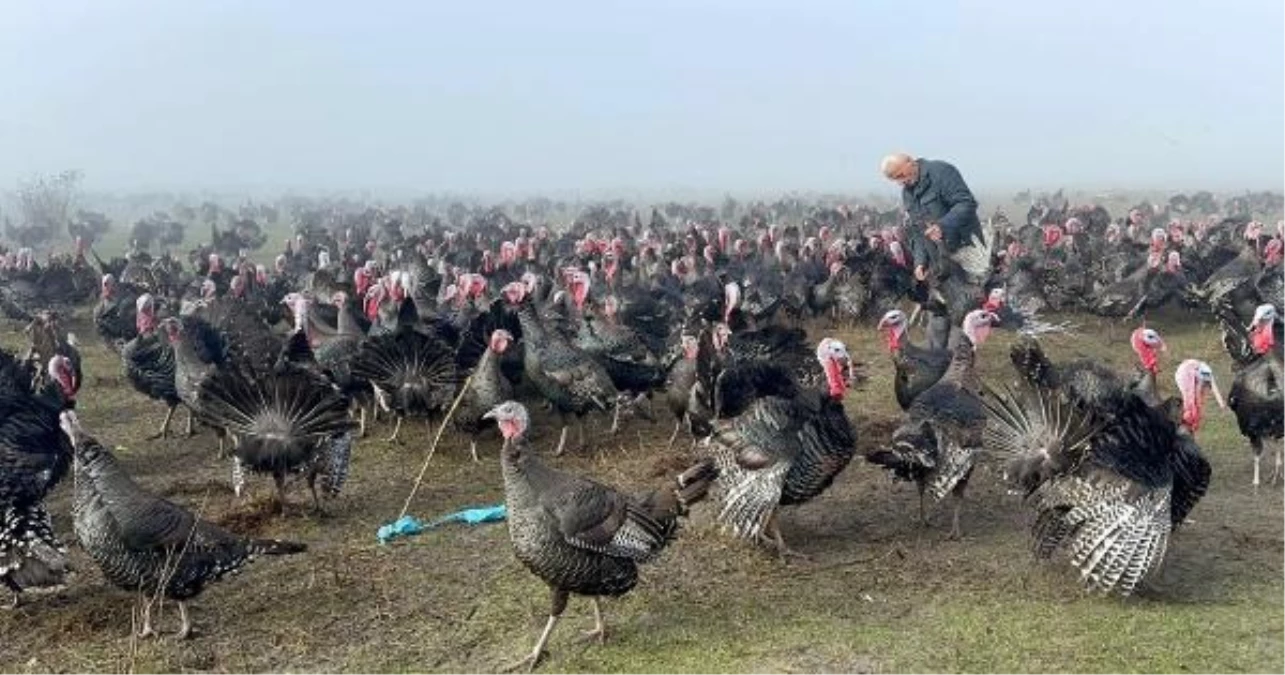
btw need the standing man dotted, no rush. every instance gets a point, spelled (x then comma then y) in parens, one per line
(936, 197)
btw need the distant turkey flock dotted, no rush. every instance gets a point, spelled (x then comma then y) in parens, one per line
(367, 317)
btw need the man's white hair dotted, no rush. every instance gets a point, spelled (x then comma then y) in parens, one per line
(892, 161)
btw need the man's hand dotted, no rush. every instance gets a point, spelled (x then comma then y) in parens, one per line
(921, 272)
(933, 232)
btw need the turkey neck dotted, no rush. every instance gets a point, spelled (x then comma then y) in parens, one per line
(961, 368)
(346, 324)
(487, 366)
(525, 477)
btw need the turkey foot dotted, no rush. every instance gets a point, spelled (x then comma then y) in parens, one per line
(185, 624)
(777, 541)
(397, 427)
(955, 533)
(146, 630)
(533, 659)
(165, 426)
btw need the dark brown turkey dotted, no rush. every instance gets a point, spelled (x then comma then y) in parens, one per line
(938, 442)
(579, 536)
(777, 443)
(144, 543)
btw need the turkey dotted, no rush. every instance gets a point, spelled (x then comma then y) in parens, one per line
(486, 389)
(917, 368)
(1107, 484)
(577, 535)
(291, 420)
(776, 443)
(411, 372)
(938, 442)
(34, 457)
(1255, 394)
(199, 352)
(572, 381)
(114, 314)
(1089, 382)
(678, 385)
(148, 360)
(143, 543)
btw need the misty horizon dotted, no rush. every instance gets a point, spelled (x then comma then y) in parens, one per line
(610, 99)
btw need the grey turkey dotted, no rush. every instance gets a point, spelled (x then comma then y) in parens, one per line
(678, 385)
(199, 352)
(334, 352)
(776, 442)
(572, 381)
(486, 389)
(143, 543)
(577, 535)
(917, 368)
(1255, 393)
(1109, 484)
(34, 457)
(937, 443)
(148, 362)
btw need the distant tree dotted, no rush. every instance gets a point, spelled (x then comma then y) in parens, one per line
(44, 204)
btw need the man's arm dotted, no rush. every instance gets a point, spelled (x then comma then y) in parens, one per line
(954, 191)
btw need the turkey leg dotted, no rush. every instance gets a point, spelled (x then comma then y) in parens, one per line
(185, 623)
(146, 631)
(397, 427)
(599, 631)
(955, 532)
(1257, 446)
(678, 424)
(774, 530)
(280, 479)
(165, 426)
(562, 441)
(557, 604)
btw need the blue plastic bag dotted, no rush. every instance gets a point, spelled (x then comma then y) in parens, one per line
(410, 525)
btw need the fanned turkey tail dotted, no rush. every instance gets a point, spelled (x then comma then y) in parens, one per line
(1036, 433)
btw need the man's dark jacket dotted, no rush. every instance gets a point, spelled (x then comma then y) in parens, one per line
(940, 196)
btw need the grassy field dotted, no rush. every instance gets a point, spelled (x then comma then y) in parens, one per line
(880, 593)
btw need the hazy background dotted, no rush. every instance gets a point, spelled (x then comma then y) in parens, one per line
(520, 97)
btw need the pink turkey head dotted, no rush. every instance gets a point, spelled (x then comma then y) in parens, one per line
(1147, 344)
(1195, 380)
(61, 371)
(893, 325)
(500, 340)
(1262, 336)
(834, 359)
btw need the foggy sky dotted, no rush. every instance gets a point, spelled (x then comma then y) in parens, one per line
(731, 95)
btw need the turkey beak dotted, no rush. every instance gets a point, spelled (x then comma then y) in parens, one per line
(491, 414)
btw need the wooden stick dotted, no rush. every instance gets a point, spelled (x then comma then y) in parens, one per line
(441, 429)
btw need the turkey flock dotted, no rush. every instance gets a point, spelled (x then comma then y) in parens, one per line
(490, 321)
